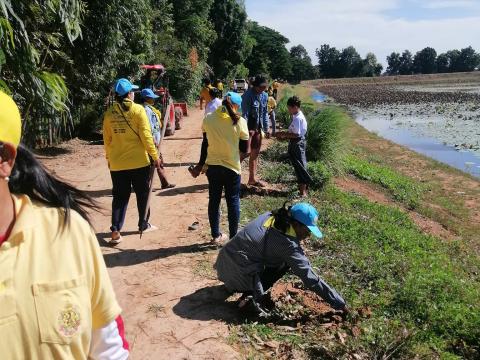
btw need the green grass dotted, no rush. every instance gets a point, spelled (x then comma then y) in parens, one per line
(402, 188)
(423, 292)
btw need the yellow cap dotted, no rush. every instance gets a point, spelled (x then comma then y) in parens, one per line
(10, 121)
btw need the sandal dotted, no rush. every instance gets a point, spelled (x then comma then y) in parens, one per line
(168, 186)
(258, 183)
(194, 226)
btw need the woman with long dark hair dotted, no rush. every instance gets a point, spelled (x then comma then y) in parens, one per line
(57, 301)
(224, 146)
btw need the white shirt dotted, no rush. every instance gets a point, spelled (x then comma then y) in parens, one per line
(212, 106)
(298, 125)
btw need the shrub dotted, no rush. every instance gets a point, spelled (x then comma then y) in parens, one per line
(325, 136)
(320, 174)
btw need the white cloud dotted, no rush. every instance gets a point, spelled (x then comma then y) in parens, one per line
(364, 25)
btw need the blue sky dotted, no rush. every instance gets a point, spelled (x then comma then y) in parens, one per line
(379, 26)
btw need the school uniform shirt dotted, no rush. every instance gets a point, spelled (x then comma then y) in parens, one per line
(224, 138)
(298, 126)
(212, 106)
(127, 137)
(154, 116)
(56, 298)
(259, 245)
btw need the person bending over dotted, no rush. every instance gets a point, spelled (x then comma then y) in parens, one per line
(265, 249)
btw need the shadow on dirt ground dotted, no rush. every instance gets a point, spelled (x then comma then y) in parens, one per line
(208, 303)
(184, 190)
(131, 257)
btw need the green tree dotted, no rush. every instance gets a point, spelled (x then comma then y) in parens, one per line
(302, 68)
(443, 63)
(406, 63)
(394, 63)
(231, 47)
(33, 37)
(107, 50)
(269, 54)
(424, 61)
(350, 63)
(371, 67)
(328, 58)
(468, 60)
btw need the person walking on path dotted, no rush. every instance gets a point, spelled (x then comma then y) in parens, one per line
(57, 300)
(254, 109)
(225, 143)
(205, 97)
(297, 145)
(219, 85)
(155, 118)
(130, 151)
(265, 249)
(275, 86)
(272, 105)
(216, 102)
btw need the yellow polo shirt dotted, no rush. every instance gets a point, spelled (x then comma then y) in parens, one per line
(127, 137)
(54, 286)
(224, 138)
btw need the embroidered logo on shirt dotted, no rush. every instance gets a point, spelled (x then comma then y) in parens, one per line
(69, 321)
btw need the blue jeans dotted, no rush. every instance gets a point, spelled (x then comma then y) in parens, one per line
(219, 178)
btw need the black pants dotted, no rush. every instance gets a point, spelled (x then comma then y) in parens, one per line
(271, 275)
(219, 178)
(123, 181)
(298, 158)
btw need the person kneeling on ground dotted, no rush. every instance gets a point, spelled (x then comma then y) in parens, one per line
(155, 118)
(297, 146)
(265, 249)
(224, 146)
(129, 150)
(57, 300)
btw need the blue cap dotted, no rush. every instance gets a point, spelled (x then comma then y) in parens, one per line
(307, 215)
(123, 86)
(149, 94)
(235, 98)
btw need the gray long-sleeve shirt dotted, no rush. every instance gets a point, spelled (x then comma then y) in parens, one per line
(255, 247)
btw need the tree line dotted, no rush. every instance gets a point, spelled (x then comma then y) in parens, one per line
(426, 61)
(59, 58)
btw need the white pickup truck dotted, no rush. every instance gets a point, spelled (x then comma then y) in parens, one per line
(240, 85)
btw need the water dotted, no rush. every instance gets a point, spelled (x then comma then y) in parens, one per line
(317, 96)
(463, 160)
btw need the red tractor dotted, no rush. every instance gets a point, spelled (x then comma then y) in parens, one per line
(155, 78)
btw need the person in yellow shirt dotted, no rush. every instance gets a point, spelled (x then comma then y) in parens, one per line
(56, 298)
(224, 146)
(130, 150)
(275, 86)
(271, 106)
(219, 86)
(205, 96)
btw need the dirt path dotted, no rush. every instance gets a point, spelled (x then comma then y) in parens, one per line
(172, 304)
